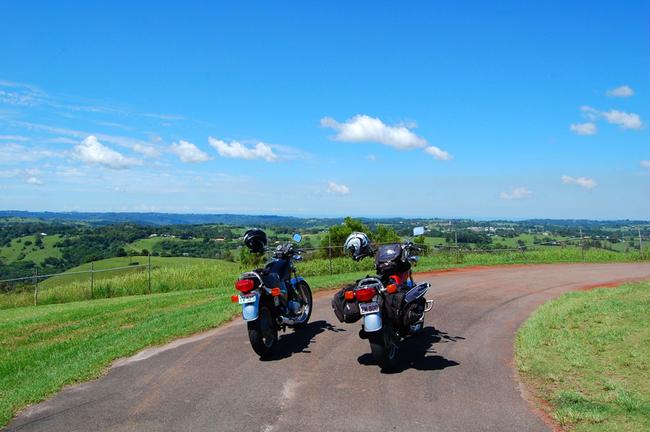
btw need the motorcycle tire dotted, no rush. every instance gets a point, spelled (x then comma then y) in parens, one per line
(305, 292)
(263, 333)
(383, 348)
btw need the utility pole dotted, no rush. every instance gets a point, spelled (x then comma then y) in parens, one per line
(640, 242)
(329, 248)
(35, 286)
(149, 272)
(582, 244)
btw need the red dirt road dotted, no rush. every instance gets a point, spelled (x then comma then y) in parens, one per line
(457, 376)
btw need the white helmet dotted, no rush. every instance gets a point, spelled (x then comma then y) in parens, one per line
(358, 245)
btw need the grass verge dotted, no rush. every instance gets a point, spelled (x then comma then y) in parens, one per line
(46, 347)
(588, 355)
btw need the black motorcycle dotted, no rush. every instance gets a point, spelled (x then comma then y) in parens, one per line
(391, 304)
(274, 297)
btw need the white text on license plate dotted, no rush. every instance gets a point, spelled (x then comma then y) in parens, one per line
(368, 308)
(247, 299)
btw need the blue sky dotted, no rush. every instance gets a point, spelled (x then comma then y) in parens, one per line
(428, 109)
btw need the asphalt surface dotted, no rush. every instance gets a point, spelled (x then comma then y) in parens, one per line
(457, 376)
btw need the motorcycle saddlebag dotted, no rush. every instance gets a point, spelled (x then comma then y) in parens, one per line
(345, 311)
(393, 305)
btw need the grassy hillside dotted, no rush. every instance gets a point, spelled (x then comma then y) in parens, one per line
(178, 274)
(588, 355)
(23, 248)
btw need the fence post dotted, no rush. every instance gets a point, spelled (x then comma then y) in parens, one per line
(149, 289)
(92, 278)
(35, 286)
(329, 249)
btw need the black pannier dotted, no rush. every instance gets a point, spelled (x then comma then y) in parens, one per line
(389, 260)
(344, 310)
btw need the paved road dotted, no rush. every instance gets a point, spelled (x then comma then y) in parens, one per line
(457, 376)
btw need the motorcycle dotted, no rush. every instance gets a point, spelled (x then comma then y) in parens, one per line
(391, 305)
(272, 299)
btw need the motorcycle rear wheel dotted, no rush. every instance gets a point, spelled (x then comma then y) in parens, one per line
(262, 333)
(384, 348)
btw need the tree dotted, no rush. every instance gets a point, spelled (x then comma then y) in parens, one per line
(385, 234)
(337, 234)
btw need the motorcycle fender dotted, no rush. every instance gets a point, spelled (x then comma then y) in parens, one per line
(372, 322)
(297, 280)
(250, 311)
(416, 292)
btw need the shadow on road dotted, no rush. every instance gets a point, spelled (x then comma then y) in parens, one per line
(415, 352)
(294, 342)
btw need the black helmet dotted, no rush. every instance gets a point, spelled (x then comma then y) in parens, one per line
(255, 240)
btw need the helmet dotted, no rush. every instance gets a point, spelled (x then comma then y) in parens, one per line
(255, 240)
(358, 245)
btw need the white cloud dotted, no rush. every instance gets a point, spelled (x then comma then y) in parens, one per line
(10, 173)
(584, 182)
(438, 153)
(30, 175)
(91, 151)
(363, 128)
(371, 157)
(338, 189)
(13, 138)
(621, 92)
(516, 194)
(620, 118)
(188, 152)
(584, 128)
(15, 153)
(34, 181)
(237, 150)
(645, 164)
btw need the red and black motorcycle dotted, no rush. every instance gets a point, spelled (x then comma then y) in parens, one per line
(391, 305)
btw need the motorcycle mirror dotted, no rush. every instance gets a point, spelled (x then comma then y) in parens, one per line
(297, 237)
(418, 231)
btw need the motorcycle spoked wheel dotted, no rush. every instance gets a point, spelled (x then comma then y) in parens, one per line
(305, 292)
(383, 345)
(263, 333)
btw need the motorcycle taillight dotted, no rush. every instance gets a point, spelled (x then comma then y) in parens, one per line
(365, 294)
(245, 285)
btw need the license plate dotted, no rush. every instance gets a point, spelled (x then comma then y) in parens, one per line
(368, 308)
(243, 299)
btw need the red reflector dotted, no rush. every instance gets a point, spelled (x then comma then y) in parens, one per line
(275, 292)
(392, 288)
(349, 295)
(234, 298)
(365, 294)
(245, 285)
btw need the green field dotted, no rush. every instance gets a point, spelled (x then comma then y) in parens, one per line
(588, 355)
(13, 251)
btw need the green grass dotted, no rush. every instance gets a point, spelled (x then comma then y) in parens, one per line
(150, 242)
(12, 252)
(46, 347)
(588, 355)
(135, 262)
